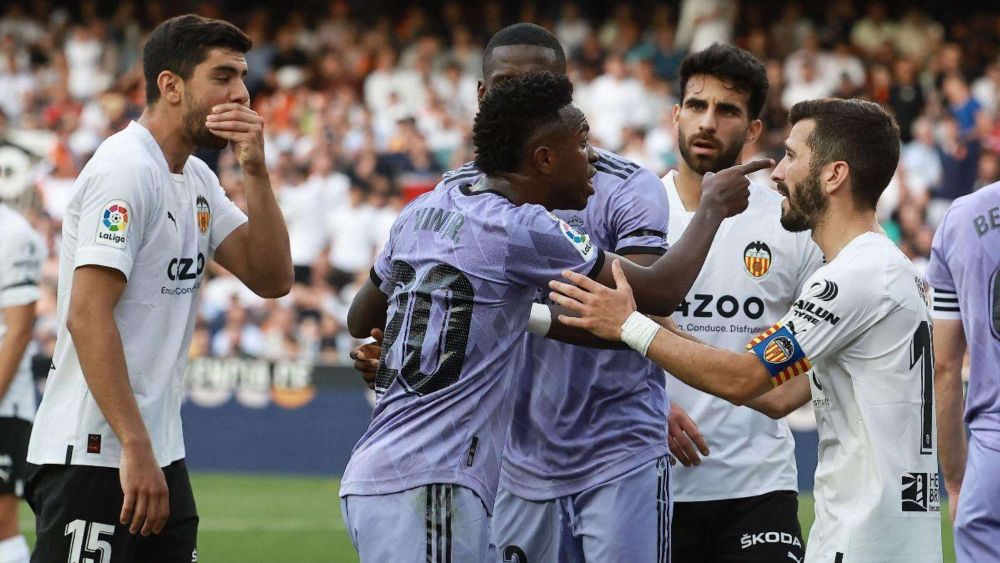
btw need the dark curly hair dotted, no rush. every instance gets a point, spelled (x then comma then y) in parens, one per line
(511, 112)
(182, 43)
(730, 64)
(860, 133)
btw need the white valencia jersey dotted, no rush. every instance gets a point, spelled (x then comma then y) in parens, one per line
(751, 277)
(22, 254)
(130, 213)
(863, 323)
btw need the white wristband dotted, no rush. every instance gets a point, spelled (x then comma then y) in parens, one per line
(638, 332)
(539, 320)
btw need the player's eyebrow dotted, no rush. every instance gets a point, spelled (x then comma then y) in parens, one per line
(229, 70)
(787, 148)
(733, 108)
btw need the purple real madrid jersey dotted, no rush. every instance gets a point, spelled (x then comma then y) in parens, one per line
(964, 272)
(585, 415)
(460, 269)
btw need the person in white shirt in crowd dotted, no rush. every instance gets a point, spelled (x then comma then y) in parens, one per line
(613, 101)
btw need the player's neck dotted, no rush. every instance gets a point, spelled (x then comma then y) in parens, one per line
(688, 184)
(169, 135)
(519, 189)
(841, 226)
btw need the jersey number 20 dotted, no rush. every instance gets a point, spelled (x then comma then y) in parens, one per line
(413, 311)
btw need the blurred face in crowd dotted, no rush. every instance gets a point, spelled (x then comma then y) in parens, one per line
(216, 80)
(512, 60)
(799, 181)
(713, 124)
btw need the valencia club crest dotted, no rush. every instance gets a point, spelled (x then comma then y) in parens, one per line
(757, 259)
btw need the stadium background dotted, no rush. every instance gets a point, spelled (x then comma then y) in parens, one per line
(366, 103)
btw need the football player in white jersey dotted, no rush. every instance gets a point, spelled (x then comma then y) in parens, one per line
(22, 253)
(862, 327)
(741, 502)
(108, 481)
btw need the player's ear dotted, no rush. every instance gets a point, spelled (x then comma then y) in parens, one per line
(171, 86)
(676, 112)
(835, 176)
(753, 133)
(480, 90)
(544, 159)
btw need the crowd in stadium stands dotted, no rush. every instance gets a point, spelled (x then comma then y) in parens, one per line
(362, 113)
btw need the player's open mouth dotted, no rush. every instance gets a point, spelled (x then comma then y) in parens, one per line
(703, 146)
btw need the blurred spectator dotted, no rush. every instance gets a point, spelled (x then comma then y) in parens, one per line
(906, 97)
(873, 31)
(703, 22)
(612, 102)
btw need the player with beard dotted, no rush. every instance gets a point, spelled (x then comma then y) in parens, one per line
(107, 479)
(861, 325)
(740, 503)
(453, 289)
(584, 473)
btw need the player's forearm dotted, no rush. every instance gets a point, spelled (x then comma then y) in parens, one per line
(102, 358)
(269, 255)
(660, 288)
(780, 402)
(735, 377)
(15, 341)
(952, 442)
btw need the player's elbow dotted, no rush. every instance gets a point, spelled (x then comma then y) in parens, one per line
(277, 286)
(357, 323)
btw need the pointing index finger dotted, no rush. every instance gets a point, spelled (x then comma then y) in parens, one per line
(751, 167)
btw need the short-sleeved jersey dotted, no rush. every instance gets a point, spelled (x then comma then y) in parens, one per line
(964, 273)
(159, 229)
(460, 270)
(583, 416)
(22, 254)
(863, 325)
(750, 279)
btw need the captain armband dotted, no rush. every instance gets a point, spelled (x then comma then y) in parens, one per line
(780, 353)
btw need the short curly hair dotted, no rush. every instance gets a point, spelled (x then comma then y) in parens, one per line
(511, 112)
(730, 64)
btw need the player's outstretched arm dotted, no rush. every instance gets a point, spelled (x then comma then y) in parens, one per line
(736, 377)
(545, 318)
(91, 323)
(662, 286)
(258, 252)
(949, 354)
(780, 402)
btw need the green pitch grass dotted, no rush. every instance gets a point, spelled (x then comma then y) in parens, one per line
(258, 518)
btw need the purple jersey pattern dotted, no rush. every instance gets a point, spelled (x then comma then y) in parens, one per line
(460, 270)
(583, 416)
(965, 259)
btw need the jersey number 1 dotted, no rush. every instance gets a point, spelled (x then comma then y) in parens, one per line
(994, 299)
(414, 310)
(922, 352)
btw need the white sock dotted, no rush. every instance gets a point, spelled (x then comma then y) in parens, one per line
(14, 550)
